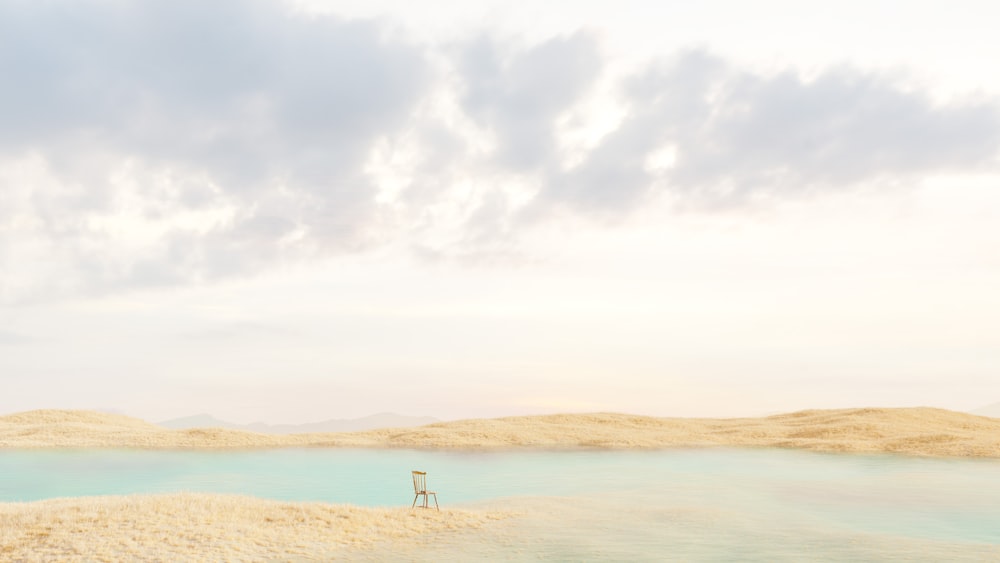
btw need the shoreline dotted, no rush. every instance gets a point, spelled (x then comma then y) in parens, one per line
(919, 431)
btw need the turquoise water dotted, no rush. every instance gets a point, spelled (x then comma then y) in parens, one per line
(696, 504)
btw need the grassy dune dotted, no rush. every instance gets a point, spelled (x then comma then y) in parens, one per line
(206, 527)
(914, 431)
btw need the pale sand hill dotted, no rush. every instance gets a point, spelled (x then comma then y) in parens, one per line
(205, 527)
(914, 431)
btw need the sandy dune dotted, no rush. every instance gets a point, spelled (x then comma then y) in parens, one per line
(914, 431)
(206, 527)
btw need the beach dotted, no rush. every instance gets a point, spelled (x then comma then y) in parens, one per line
(206, 526)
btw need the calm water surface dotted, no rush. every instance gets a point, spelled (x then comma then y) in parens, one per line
(697, 504)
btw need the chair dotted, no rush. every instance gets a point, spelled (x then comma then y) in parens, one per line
(420, 488)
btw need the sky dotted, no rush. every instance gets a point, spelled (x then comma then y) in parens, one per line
(294, 211)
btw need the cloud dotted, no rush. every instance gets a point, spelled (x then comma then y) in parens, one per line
(730, 133)
(238, 332)
(173, 142)
(166, 109)
(519, 96)
(210, 85)
(8, 338)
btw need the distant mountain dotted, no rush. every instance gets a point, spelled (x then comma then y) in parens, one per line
(989, 410)
(373, 422)
(199, 421)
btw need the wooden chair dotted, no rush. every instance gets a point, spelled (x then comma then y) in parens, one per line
(420, 488)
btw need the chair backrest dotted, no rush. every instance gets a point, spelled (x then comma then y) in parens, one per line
(419, 481)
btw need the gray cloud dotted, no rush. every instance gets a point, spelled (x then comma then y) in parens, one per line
(244, 105)
(736, 133)
(842, 127)
(210, 84)
(238, 89)
(519, 96)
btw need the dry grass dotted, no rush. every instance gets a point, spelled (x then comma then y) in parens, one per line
(205, 527)
(914, 431)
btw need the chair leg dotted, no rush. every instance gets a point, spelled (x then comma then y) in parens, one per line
(426, 503)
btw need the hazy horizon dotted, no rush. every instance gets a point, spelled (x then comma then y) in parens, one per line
(291, 211)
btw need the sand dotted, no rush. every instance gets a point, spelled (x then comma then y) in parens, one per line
(912, 431)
